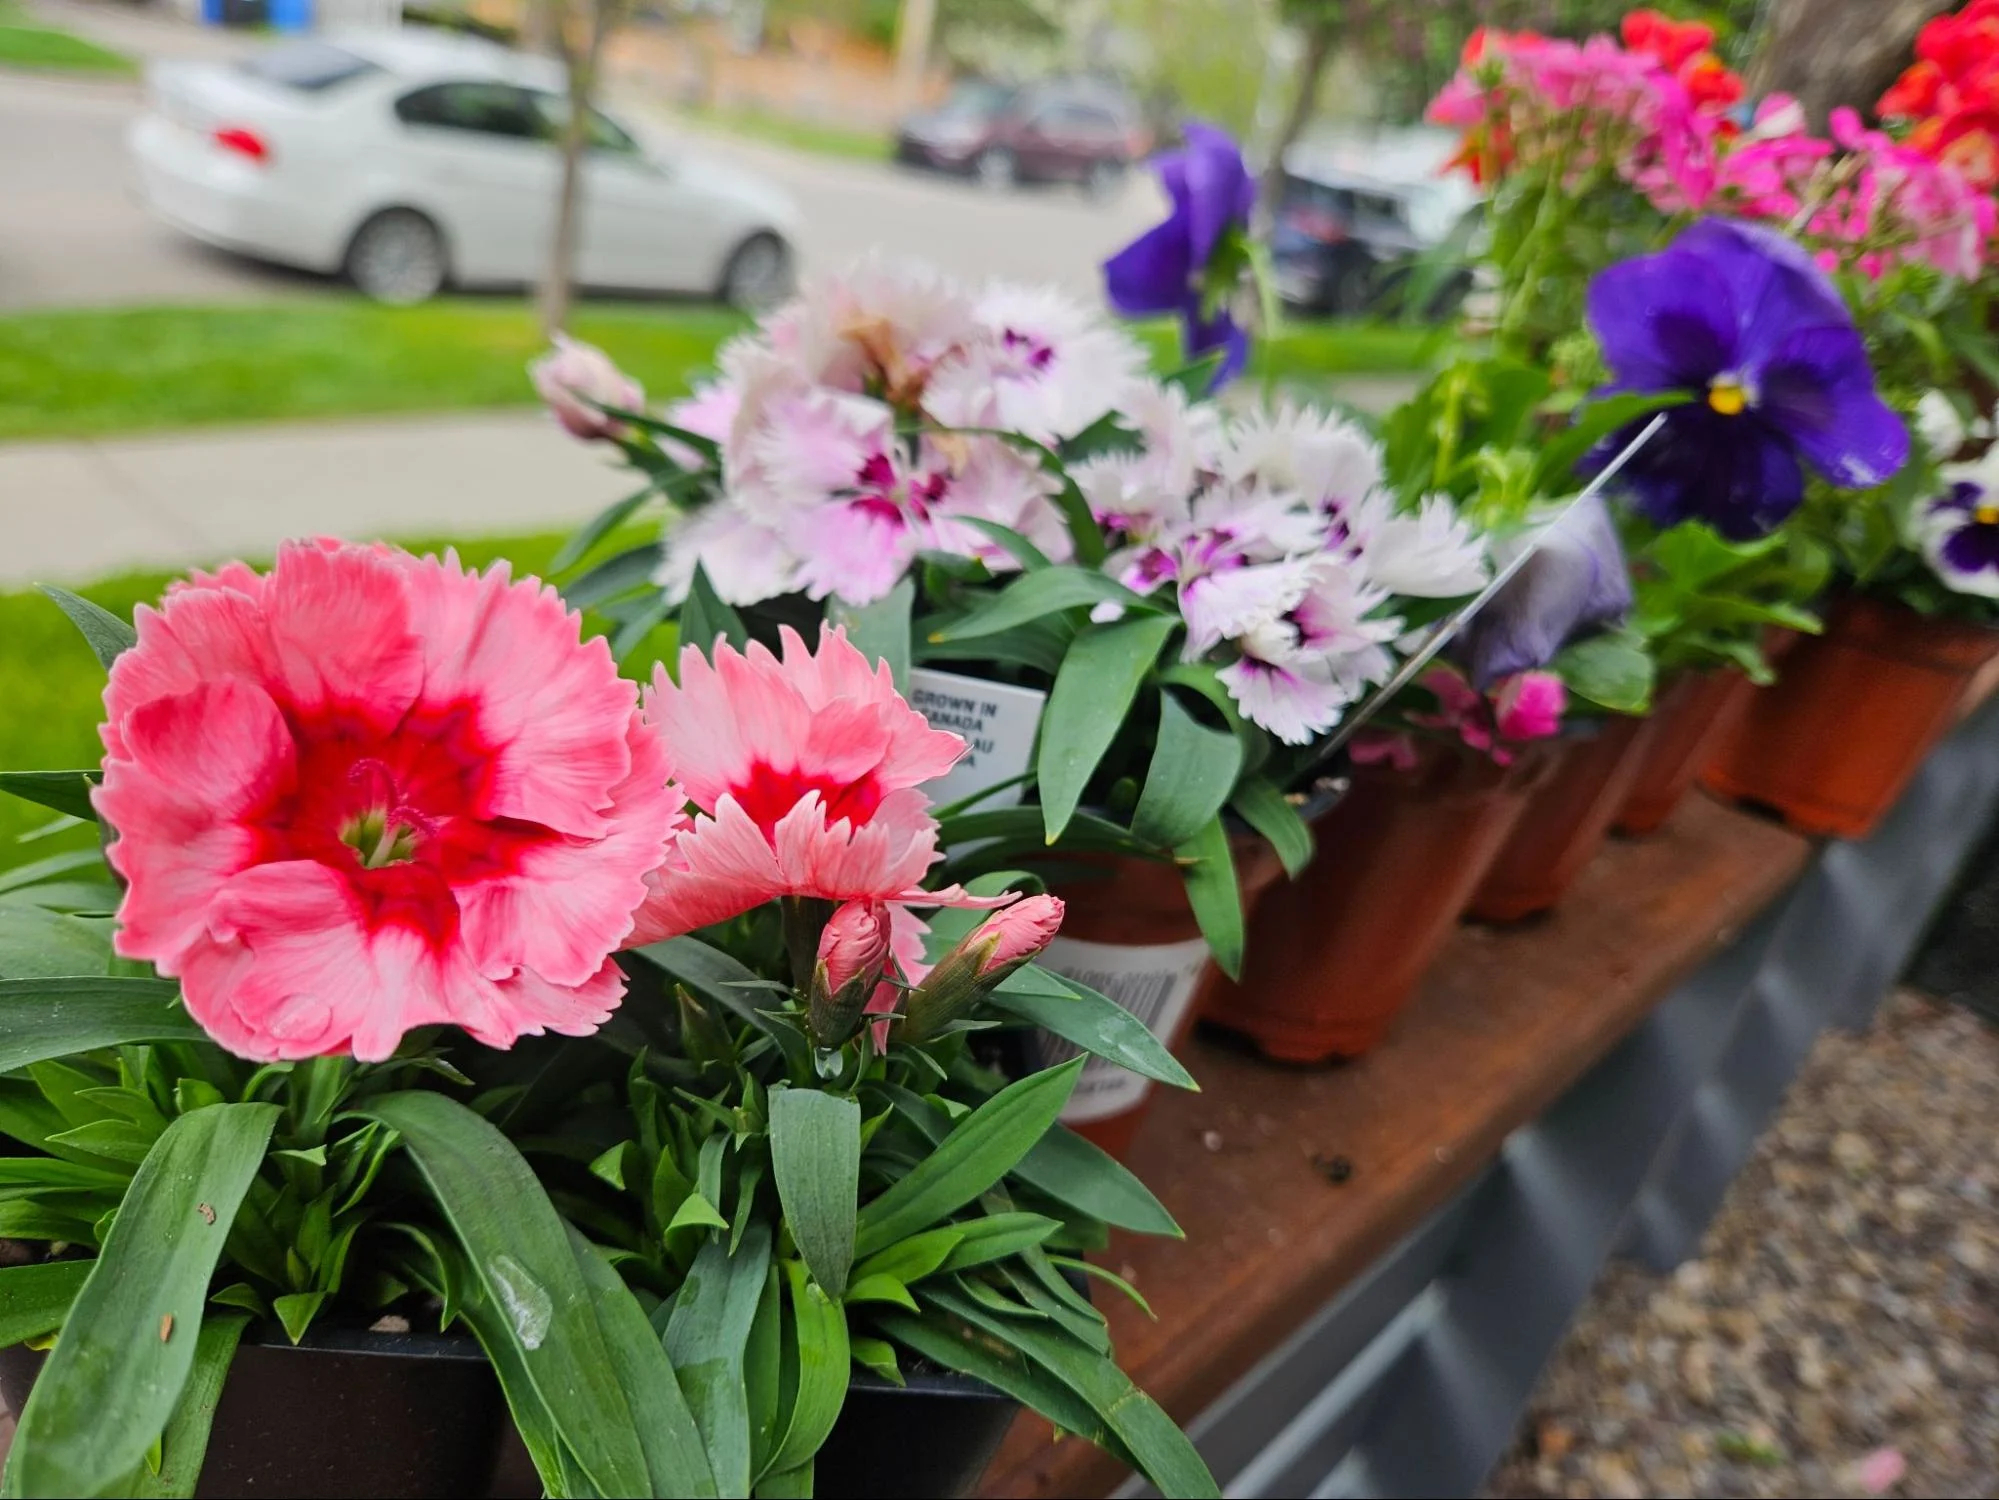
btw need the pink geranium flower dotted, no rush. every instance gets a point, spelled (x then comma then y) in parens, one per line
(802, 775)
(372, 792)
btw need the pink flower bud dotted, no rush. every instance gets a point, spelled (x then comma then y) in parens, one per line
(983, 958)
(853, 952)
(1529, 706)
(1018, 932)
(571, 376)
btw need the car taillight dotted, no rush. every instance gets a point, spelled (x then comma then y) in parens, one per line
(243, 143)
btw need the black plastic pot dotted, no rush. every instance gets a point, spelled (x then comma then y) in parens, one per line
(932, 1437)
(411, 1416)
(360, 1414)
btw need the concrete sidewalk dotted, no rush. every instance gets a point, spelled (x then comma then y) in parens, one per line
(71, 511)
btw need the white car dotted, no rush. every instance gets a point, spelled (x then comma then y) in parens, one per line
(412, 162)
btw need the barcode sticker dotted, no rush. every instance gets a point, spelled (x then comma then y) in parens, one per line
(1154, 983)
(998, 722)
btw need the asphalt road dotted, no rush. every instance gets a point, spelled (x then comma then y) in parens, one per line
(72, 234)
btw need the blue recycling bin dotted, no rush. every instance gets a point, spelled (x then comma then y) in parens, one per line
(291, 15)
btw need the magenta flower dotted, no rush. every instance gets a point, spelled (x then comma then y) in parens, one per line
(802, 777)
(1165, 270)
(370, 792)
(1740, 322)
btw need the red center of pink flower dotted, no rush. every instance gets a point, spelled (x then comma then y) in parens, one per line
(767, 794)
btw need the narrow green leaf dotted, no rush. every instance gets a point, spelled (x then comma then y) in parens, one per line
(667, 1432)
(706, 1338)
(107, 634)
(1094, 1022)
(113, 1379)
(1034, 595)
(1088, 705)
(995, 1237)
(1086, 1268)
(64, 791)
(23, 876)
(49, 1018)
(704, 618)
(296, 1312)
(764, 1372)
(628, 570)
(1030, 557)
(35, 1299)
(792, 1484)
(1271, 813)
(184, 1444)
(596, 529)
(1161, 1450)
(815, 1151)
(880, 631)
(823, 1360)
(914, 1258)
(36, 943)
(518, 1250)
(696, 1212)
(524, 1404)
(1090, 1180)
(878, 1356)
(983, 1148)
(1193, 771)
(1208, 867)
(880, 1289)
(714, 975)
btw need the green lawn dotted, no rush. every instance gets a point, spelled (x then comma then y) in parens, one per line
(800, 135)
(26, 43)
(95, 371)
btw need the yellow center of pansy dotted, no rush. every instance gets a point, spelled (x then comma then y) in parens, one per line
(1987, 514)
(1727, 395)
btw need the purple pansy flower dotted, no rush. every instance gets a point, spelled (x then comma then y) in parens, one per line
(1739, 319)
(1960, 529)
(1165, 269)
(1575, 582)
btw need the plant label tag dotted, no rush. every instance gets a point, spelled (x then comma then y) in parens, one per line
(1155, 983)
(998, 722)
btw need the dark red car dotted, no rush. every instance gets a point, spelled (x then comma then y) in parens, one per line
(1079, 131)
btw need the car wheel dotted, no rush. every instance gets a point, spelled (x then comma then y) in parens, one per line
(1103, 180)
(996, 169)
(758, 275)
(398, 256)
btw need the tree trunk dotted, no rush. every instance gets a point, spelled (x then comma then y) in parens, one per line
(581, 65)
(1319, 39)
(915, 28)
(1833, 52)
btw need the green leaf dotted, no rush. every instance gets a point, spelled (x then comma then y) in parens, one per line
(1612, 670)
(596, 529)
(35, 1299)
(128, 1346)
(1208, 867)
(913, 1258)
(1193, 770)
(622, 574)
(815, 1150)
(880, 1288)
(1033, 595)
(876, 1355)
(36, 943)
(1030, 557)
(823, 1359)
(763, 1369)
(880, 631)
(107, 634)
(995, 1237)
(1161, 1449)
(1094, 1022)
(1271, 813)
(1087, 706)
(23, 876)
(706, 1338)
(712, 974)
(704, 618)
(49, 1018)
(696, 1212)
(1039, 644)
(1070, 1262)
(296, 1311)
(1090, 1180)
(792, 1484)
(667, 1431)
(184, 1444)
(64, 791)
(979, 1151)
(518, 1250)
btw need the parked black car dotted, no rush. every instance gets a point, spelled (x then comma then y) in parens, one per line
(1062, 130)
(1345, 244)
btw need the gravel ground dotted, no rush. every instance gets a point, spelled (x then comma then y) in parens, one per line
(1839, 1334)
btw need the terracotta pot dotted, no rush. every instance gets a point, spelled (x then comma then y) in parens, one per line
(1132, 935)
(1334, 955)
(1565, 823)
(1690, 717)
(1832, 745)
